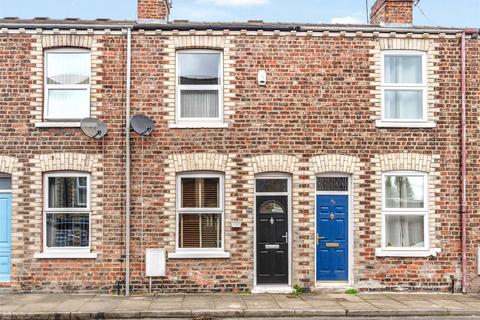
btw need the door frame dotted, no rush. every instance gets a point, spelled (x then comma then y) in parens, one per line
(6, 191)
(349, 194)
(273, 175)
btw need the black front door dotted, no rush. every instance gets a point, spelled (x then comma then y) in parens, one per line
(272, 239)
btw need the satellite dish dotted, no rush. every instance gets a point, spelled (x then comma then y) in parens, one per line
(142, 124)
(93, 128)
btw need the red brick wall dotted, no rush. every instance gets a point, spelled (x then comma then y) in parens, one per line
(20, 139)
(473, 161)
(392, 11)
(317, 101)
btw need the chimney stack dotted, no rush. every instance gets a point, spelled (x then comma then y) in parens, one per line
(392, 12)
(153, 10)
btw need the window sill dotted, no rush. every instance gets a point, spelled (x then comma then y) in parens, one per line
(58, 124)
(198, 125)
(405, 124)
(407, 253)
(199, 255)
(65, 255)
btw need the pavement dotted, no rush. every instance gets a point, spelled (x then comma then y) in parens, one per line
(206, 306)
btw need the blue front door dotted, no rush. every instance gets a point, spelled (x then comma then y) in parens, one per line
(5, 235)
(332, 238)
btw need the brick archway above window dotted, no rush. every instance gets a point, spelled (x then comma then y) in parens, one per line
(274, 163)
(406, 162)
(76, 41)
(7, 164)
(335, 163)
(68, 161)
(199, 42)
(199, 162)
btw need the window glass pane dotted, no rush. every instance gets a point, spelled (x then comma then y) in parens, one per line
(332, 184)
(200, 231)
(404, 192)
(67, 192)
(67, 230)
(199, 68)
(404, 231)
(68, 104)
(403, 69)
(404, 104)
(199, 104)
(5, 183)
(270, 207)
(68, 68)
(200, 193)
(271, 185)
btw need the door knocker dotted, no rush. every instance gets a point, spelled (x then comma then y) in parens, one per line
(332, 216)
(272, 221)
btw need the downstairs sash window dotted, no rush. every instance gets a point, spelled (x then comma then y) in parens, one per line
(67, 211)
(405, 211)
(200, 212)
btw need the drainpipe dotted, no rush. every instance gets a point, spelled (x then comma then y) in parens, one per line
(464, 165)
(127, 164)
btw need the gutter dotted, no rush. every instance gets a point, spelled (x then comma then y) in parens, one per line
(463, 164)
(299, 28)
(64, 26)
(127, 163)
(234, 27)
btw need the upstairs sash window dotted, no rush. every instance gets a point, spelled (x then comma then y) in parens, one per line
(404, 86)
(199, 86)
(67, 84)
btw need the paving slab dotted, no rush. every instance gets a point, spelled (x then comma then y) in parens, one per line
(229, 302)
(167, 303)
(291, 302)
(134, 304)
(72, 304)
(389, 304)
(449, 304)
(38, 307)
(342, 297)
(200, 302)
(261, 301)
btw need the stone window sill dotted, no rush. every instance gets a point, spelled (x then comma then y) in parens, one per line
(199, 255)
(58, 124)
(407, 253)
(198, 125)
(392, 124)
(65, 255)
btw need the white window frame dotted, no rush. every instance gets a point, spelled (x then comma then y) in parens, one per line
(179, 88)
(48, 87)
(405, 86)
(200, 252)
(66, 250)
(405, 212)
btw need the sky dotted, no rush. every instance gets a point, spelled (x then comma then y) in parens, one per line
(447, 13)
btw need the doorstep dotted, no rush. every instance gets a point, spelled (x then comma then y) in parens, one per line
(273, 288)
(332, 285)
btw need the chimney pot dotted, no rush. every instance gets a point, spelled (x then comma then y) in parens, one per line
(392, 12)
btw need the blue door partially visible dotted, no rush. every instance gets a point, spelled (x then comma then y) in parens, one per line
(5, 235)
(332, 238)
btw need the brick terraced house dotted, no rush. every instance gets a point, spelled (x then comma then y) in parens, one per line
(315, 155)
